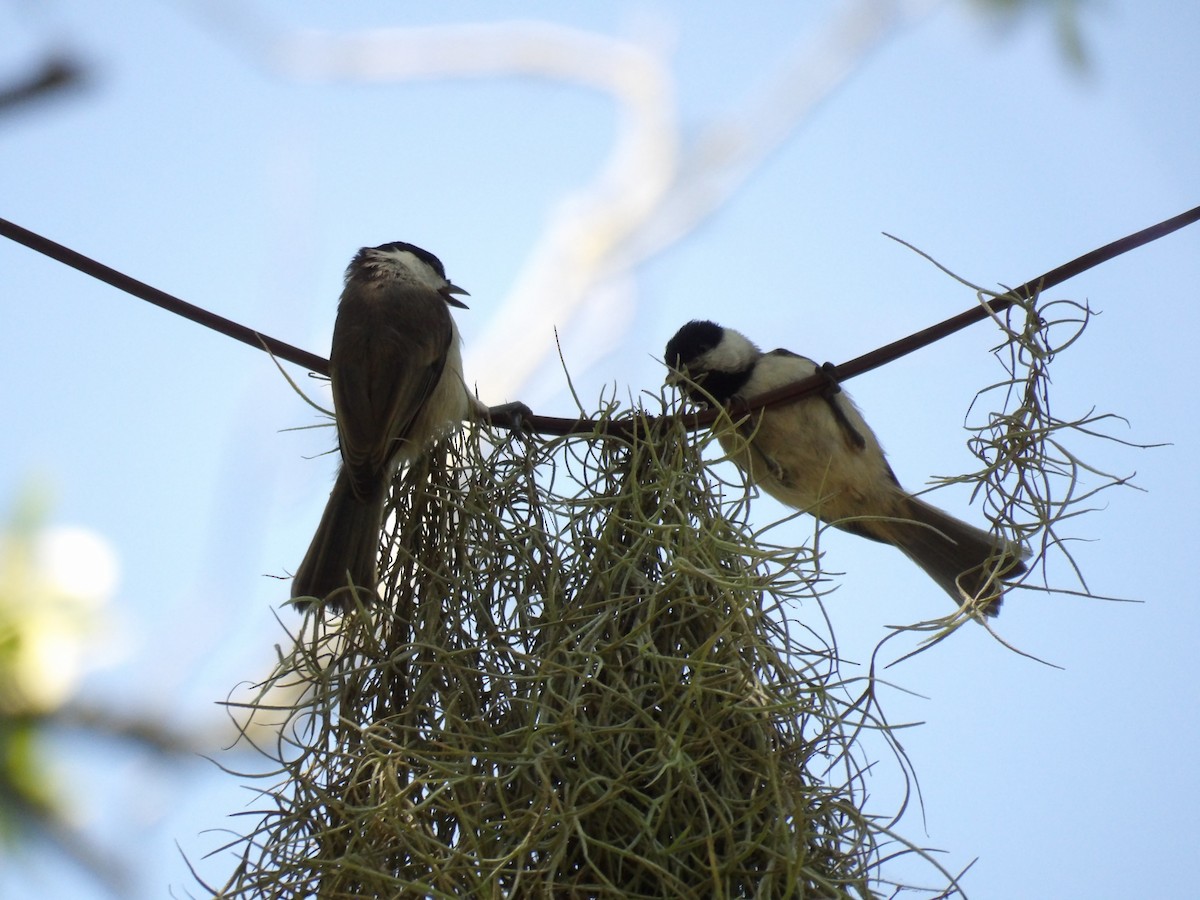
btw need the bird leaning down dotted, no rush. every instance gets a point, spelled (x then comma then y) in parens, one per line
(396, 373)
(817, 454)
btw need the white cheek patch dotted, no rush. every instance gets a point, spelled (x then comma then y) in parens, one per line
(775, 371)
(735, 353)
(405, 262)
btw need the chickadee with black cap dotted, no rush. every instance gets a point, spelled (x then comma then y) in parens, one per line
(817, 454)
(396, 372)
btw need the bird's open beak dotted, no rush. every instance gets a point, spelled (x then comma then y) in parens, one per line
(448, 293)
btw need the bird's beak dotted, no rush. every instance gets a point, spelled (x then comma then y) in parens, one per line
(448, 293)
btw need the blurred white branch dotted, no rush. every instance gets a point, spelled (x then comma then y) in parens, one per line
(726, 151)
(654, 187)
(578, 248)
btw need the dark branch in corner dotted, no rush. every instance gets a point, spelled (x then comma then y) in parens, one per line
(559, 426)
(56, 75)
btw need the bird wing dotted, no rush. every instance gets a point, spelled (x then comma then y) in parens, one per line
(832, 395)
(389, 350)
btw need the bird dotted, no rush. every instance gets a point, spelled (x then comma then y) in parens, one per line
(817, 454)
(395, 366)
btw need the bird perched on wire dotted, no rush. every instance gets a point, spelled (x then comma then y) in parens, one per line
(817, 454)
(396, 372)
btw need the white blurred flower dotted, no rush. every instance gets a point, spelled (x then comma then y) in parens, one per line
(52, 584)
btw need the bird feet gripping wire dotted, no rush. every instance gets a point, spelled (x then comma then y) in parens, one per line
(515, 416)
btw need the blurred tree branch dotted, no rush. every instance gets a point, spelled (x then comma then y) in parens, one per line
(56, 75)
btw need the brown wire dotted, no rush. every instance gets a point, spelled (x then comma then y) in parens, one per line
(553, 425)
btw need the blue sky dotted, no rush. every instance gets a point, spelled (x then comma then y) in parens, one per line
(192, 163)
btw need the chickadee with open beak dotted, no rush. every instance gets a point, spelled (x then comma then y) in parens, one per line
(817, 454)
(396, 372)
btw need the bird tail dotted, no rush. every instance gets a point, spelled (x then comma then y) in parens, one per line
(344, 550)
(966, 562)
